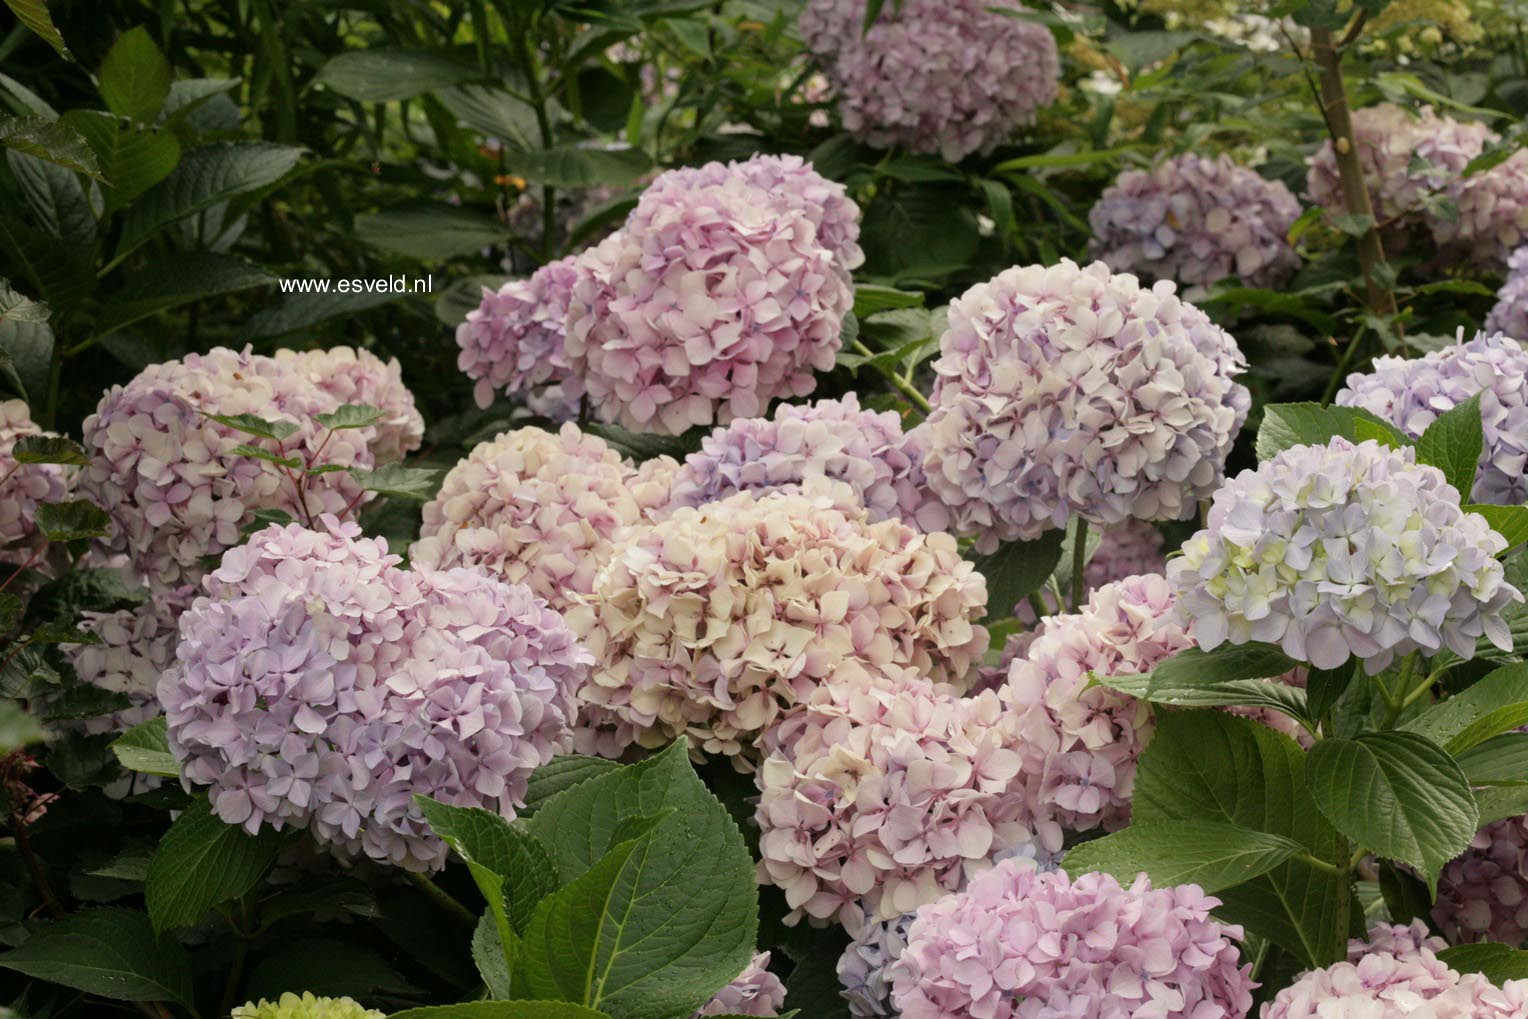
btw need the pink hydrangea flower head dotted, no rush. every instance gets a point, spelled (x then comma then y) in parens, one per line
(22, 487)
(1491, 208)
(172, 479)
(1406, 156)
(755, 991)
(1067, 390)
(828, 439)
(883, 793)
(1196, 221)
(1020, 943)
(1080, 742)
(946, 76)
(535, 508)
(1483, 894)
(357, 376)
(1343, 551)
(709, 304)
(136, 646)
(716, 620)
(1397, 939)
(513, 341)
(318, 685)
(1510, 313)
(1411, 393)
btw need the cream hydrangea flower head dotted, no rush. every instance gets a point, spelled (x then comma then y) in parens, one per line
(305, 1006)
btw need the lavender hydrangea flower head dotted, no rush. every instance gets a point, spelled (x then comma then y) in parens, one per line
(1406, 157)
(320, 686)
(1483, 894)
(716, 620)
(1398, 939)
(1510, 314)
(884, 793)
(172, 479)
(305, 1006)
(829, 439)
(946, 76)
(991, 951)
(709, 304)
(1067, 390)
(357, 376)
(1412, 393)
(755, 991)
(135, 647)
(535, 508)
(513, 341)
(22, 487)
(1196, 221)
(1343, 551)
(1492, 212)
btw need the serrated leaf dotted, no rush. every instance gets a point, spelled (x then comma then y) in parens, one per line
(492, 111)
(49, 449)
(1493, 705)
(511, 868)
(34, 15)
(1398, 794)
(132, 159)
(579, 168)
(327, 967)
(135, 76)
(384, 74)
(350, 415)
(71, 521)
(256, 453)
(174, 281)
(493, 960)
(417, 484)
(50, 140)
(1453, 443)
(1309, 424)
(1497, 963)
(113, 953)
(15, 307)
(562, 773)
(502, 1010)
(870, 299)
(1245, 693)
(88, 590)
(252, 424)
(59, 274)
(17, 728)
(431, 232)
(146, 748)
(1511, 522)
(300, 311)
(204, 861)
(1500, 760)
(1017, 569)
(1211, 854)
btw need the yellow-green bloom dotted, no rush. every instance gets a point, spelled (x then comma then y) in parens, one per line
(305, 1006)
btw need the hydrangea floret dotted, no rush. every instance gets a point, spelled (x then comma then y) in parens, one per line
(512, 342)
(754, 992)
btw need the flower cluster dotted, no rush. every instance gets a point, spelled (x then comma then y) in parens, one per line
(321, 686)
(946, 76)
(883, 793)
(22, 487)
(829, 439)
(755, 991)
(1510, 314)
(513, 341)
(713, 300)
(1079, 742)
(1483, 894)
(714, 621)
(305, 1006)
(1406, 157)
(135, 647)
(173, 480)
(1196, 221)
(1342, 551)
(1021, 944)
(1491, 212)
(535, 508)
(1065, 390)
(1412, 392)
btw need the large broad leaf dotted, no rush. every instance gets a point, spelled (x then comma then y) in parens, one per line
(502, 1010)
(1496, 704)
(492, 111)
(17, 728)
(1018, 569)
(430, 231)
(1500, 760)
(1240, 693)
(50, 140)
(1497, 963)
(204, 861)
(510, 866)
(60, 273)
(383, 75)
(580, 168)
(205, 177)
(1398, 794)
(180, 279)
(328, 967)
(26, 352)
(146, 748)
(113, 953)
(1213, 766)
(135, 77)
(300, 311)
(17, 307)
(1511, 522)
(133, 159)
(71, 521)
(1211, 854)
(1453, 442)
(34, 15)
(1310, 424)
(656, 928)
(563, 773)
(493, 961)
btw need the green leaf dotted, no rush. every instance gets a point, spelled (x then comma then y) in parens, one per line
(511, 868)
(493, 112)
(416, 484)
(570, 167)
(300, 311)
(61, 275)
(1056, 160)
(71, 521)
(660, 926)
(146, 748)
(1495, 704)
(431, 232)
(1497, 963)
(1245, 693)
(205, 177)
(562, 773)
(1405, 897)
(382, 75)
(1352, 224)
(89, 590)
(1500, 760)
(250, 424)
(15, 307)
(135, 77)
(132, 158)
(203, 861)
(1398, 794)
(351, 415)
(1214, 766)
(52, 141)
(1195, 667)
(17, 728)
(1309, 424)
(177, 280)
(329, 967)
(1017, 569)
(1497, 803)
(1511, 522)
(502, 1010)
(1453, 443)
(49, 449)
(870, 299)
(1324, 687)
(494, 962)
(113, 953)
(256, 453)
(1211, 854)
(34, 15)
